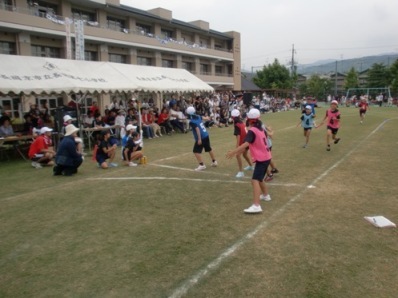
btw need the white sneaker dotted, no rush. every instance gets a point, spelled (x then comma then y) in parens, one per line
(249, 168)
(214, 164)
(240, 175)
(265, 197)
(253, 209)
(200, 168)
(132, 164)
(36, 165)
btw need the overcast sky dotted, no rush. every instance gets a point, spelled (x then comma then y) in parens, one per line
(319, 29)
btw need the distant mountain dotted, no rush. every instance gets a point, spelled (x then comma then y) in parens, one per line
(343, 66)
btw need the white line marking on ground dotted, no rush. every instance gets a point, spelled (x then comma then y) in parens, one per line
(169, 178)
(193, 280)
(171, 157)
(189, 170)
(187, 179)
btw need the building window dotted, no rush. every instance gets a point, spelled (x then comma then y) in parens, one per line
(78, 14)
(187, 66)
(11, 106)
(115, 24)
(6, 5)
(8, 48)
(166, 33)
(42, 8)
(117, 58)
(204, 69)
(43, 51)
(144, 29)
(52, 103)
(167, 63)
(90, 56)
(144, 61)
(219, 70)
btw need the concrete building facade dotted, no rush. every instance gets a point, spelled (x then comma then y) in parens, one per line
(105, 30)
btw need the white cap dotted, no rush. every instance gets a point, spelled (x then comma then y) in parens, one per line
(67, 118)
(190, 110)
(335, 102)
(253, 114)
(235, 113)
(308, 107)
(131, 127)
(45, 129)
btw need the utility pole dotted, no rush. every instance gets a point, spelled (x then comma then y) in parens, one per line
(293, 69)
(335, 81)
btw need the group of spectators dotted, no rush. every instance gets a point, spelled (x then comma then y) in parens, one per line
(34, 119)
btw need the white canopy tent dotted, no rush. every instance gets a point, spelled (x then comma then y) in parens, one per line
(37, 75)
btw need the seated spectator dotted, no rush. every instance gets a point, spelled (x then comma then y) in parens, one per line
(68, 157)
(174, 121)
(164, 120)
(67, 120)
(88, 119)
(94, 108)
(182, 119)
(111, 116)
(146, 125)
(97, 123)
(6, 127)
(28, 125)
(40, 153)
(17, 120)
(120, 121)
(106, 151)
(132, 150)
(152, 120)
(132, 117)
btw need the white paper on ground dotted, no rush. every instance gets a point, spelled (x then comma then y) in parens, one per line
(380, 221)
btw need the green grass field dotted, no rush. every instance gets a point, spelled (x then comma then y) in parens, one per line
(164, 230)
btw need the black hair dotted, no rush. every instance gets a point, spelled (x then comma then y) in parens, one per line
(256, 123)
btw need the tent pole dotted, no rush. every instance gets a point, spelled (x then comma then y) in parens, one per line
(78, 114)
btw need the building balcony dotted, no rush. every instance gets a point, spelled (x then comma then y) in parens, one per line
(36, 21)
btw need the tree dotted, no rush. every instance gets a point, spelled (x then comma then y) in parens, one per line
(378, 76)
(351, 79)
(394, 78)
(317, 87)
(273, 76)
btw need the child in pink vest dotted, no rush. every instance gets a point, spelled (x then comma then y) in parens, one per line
(333, 123)
(256, 140)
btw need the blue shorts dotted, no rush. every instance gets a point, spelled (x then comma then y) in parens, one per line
(260, 170)
(101, 159)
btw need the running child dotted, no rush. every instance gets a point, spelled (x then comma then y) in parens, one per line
(261, 155)
(333, 118)
(240, 133)
(202, 139)
(307, 123)
(363, 107)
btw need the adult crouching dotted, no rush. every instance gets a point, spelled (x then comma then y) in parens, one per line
(68, 158)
